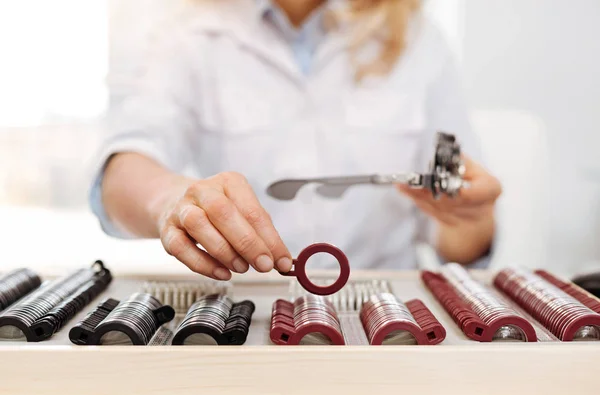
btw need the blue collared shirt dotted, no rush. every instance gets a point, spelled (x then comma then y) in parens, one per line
(303, 40)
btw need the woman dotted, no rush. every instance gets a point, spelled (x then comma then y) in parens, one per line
(246, 92)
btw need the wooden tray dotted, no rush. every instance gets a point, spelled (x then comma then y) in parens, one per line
(457, 365)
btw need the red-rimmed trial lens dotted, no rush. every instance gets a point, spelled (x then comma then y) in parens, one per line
(299, 269)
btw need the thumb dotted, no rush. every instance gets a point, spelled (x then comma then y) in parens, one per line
(483, 186)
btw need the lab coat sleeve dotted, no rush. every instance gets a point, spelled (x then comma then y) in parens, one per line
(447, 111)
(149, 113)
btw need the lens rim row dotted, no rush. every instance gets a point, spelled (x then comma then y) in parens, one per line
(217, 316)
(16, 284)
(308, 314)
(560, 313)
(384, 314)
(46, 305)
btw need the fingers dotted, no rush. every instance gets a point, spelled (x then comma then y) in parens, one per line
(196, 223)
(471, 197)
(223, 215)
(227, 219)
(434, 212)
(471, 204)
(472, 168)
(242, 195)
(482, 190)
(484, 187)
(178, 244)
(474, 213)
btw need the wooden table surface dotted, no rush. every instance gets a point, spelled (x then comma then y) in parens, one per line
(457, 366)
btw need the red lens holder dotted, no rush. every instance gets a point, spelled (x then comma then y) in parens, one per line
(379, 323)
(472, 325)
(574, 290)
(299, 269)
(561, 307)
(290, 322)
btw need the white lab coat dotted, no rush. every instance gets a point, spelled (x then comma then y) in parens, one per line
(221, 92)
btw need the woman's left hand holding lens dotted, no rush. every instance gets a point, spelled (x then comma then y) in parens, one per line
(474, 203)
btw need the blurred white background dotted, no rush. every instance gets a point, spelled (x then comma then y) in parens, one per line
(533, 57)
(543, 57)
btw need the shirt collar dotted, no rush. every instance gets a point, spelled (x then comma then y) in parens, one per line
(263, 8)
(310, 33)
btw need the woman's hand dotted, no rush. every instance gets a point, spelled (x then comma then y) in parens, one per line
(466, 222)
(222, 214)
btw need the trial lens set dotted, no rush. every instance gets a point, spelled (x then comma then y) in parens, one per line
(518, 305)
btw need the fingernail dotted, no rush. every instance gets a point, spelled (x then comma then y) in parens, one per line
(240, 265)
(184, 213)
(222, 274)
(284, 264)
(264, 263)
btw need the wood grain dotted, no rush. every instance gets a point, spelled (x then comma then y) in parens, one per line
(493, 369)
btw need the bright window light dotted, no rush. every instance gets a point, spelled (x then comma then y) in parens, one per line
(53, 60)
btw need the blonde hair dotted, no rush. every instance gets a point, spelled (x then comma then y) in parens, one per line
(386, 21)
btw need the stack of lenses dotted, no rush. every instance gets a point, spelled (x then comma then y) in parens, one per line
(133, 321)
(17, 321)
(238, 324)
(499, 318)
(283, 328)
(432, 331)
(48, 325)
(204, 322)
(461, 306)
(310, 320)
(383, 309)
(563, 315)
(351, 297)
(310, 310)
(15, 285)
(463, 315)
(215, 320)
(388, 321)
(83, 333)
(572, 289)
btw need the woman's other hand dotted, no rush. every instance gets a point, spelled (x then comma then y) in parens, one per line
(466, 222)
(473, 203)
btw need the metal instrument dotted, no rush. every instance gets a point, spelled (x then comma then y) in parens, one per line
(445, 176)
